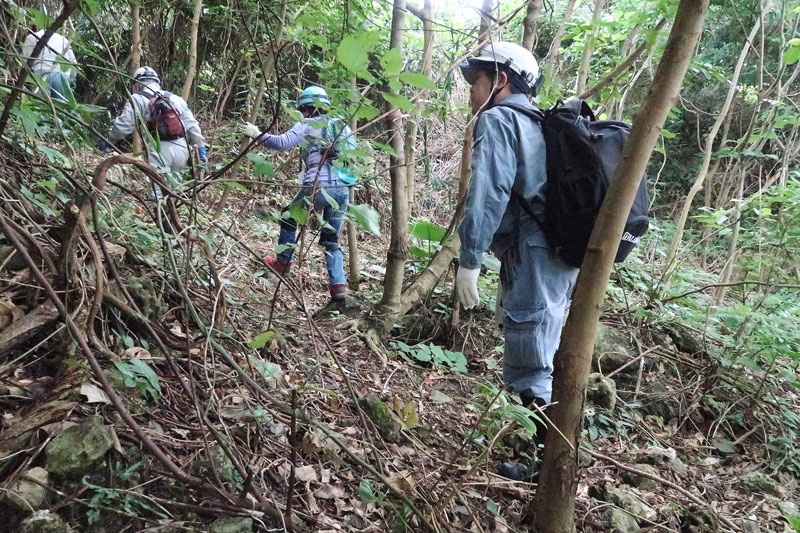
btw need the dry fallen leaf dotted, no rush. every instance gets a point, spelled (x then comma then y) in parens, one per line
(94, 394)
(305, 473)
(136, 352)
(329, 492)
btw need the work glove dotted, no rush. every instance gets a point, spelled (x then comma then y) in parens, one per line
(250, 130)
(467, 282)
(201, 153)
(104, 146)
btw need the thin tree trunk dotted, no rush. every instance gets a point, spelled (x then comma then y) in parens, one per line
(727, 270)
(555, 47)
(192, 68)
(530, 24)
(588, 48)
(352, 236)
(135, 59)
(389, 306)
(553, 510)
(426, 15)
(669, 263)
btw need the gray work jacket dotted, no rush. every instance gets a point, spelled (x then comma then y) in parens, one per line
(508, 154)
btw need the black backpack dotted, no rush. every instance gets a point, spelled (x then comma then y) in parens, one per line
(582, 154)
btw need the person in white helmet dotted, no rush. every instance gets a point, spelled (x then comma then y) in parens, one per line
(168, 118)
(56, 63)
(509, 169)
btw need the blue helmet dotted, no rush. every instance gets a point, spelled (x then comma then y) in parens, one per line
(312, 96)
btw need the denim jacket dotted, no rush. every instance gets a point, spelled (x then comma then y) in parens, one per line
(508, 154)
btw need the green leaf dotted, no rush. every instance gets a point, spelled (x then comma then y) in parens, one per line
(261, 340)
(427, 231)
(399, 101)
(365, 491)
(392, 62)
(724, 446)
(263, 167)
(385, 148)
(365, 216)
(791, 55)
(352, 54)
(366, 112)
(333, 203)
(667, 134)
(493, 508)
(794, 521)
(298, 212)
(417, 79)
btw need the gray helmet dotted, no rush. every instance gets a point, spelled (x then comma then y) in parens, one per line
(143, 74)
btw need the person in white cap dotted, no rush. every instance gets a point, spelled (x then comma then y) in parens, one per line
(56, 63)
(168, 119)
(506, 198)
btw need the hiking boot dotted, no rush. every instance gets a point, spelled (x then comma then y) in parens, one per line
(282, 268)
(339, 292)
(517, 472)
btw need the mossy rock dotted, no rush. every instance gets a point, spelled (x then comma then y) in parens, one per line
(222, 464)
(74, 451)
(26, 494)
(761, 483)
(601, 391)
(641, 482)
(612, 349)
(44, 522)
(388, 424)
(618, 521)
(232, 525)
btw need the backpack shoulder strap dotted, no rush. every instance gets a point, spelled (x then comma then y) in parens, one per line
(530, 112)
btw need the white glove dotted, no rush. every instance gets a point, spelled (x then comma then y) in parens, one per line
(250, 130)
(467, 283)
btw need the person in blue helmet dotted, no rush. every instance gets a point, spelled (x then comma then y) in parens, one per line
(321, 139)
(506, 196)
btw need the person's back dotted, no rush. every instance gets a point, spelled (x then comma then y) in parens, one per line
(173, 152)
(56, 56)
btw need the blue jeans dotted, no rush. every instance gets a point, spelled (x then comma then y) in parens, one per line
(537, 287)
(329, 236)
(60, 85)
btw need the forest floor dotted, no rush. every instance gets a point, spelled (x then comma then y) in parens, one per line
(425, 443)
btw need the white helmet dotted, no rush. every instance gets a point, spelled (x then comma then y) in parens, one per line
(510, 56)
(146, 73)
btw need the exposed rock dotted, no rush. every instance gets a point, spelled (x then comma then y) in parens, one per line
(660, 401)
(655, 456)
(678, 466)
(618, 521)
(25, 494)
(76, 449)
(44, 522)
(386, 421)
(612, 349)
(222, 464)
(601, 391)
(684, 340)
(232, 525)
(641, 482)
(699, 520)
(624, 499)
(761, 483)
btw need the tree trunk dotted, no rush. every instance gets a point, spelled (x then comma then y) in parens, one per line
(530, 23)
(727, 270)
(134, 62)
(553, 510)
(583, 69)
(669, 263)
(192, 68)
(389, 306)
(555, 46)
(352, 236)
(426, 14)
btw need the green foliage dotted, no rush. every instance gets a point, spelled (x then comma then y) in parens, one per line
(366, 216)
(433, 354)
(138, 374)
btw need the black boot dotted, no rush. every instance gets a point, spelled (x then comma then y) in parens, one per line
(516, 471)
